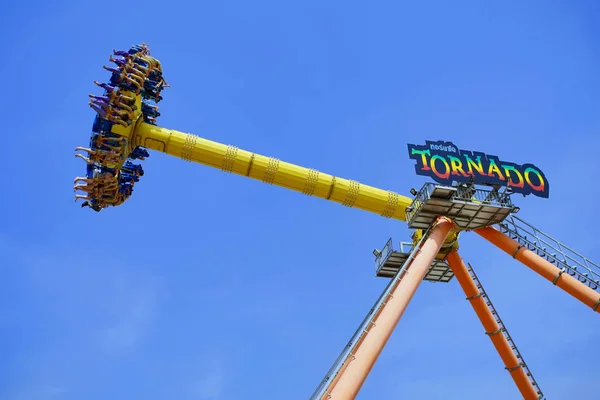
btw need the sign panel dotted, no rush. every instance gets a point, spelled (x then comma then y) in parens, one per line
(444, 162)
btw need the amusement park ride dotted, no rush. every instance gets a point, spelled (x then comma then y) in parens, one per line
(471, 193)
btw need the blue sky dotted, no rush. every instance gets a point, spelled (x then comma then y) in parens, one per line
(207, 286)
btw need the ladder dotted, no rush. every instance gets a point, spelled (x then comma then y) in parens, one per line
(504, 331)
(563, 257)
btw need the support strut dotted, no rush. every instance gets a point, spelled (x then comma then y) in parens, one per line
(495, 329)
(566, 282)
(346, 382)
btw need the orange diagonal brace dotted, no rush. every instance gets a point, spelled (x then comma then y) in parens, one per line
(358, 365)
(492, 329)
(566, 282)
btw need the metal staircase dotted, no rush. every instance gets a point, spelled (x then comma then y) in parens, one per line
(563, 257)
(504, 331)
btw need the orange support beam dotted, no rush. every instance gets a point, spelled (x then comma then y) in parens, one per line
(492, 329)
(580, 291)
(358, 365)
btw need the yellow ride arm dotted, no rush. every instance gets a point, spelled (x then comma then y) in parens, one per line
(272, 171)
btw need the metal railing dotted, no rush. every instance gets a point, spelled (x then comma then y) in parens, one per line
(576, 265)
(467, 193)
(492, 197)
(383, 254)
(422, 196)
(387, 250)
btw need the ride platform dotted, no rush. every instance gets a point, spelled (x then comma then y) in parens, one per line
(389, 261)
(469, 207)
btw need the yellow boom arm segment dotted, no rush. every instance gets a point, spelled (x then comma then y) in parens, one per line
(272, 171)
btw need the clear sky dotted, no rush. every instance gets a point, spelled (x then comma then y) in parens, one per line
(207, 286)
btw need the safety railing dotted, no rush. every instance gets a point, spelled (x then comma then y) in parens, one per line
(461, 192)
(469, 193)
(383, 254)
(576, 265)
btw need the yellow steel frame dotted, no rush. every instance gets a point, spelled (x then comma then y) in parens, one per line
(270, 170)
